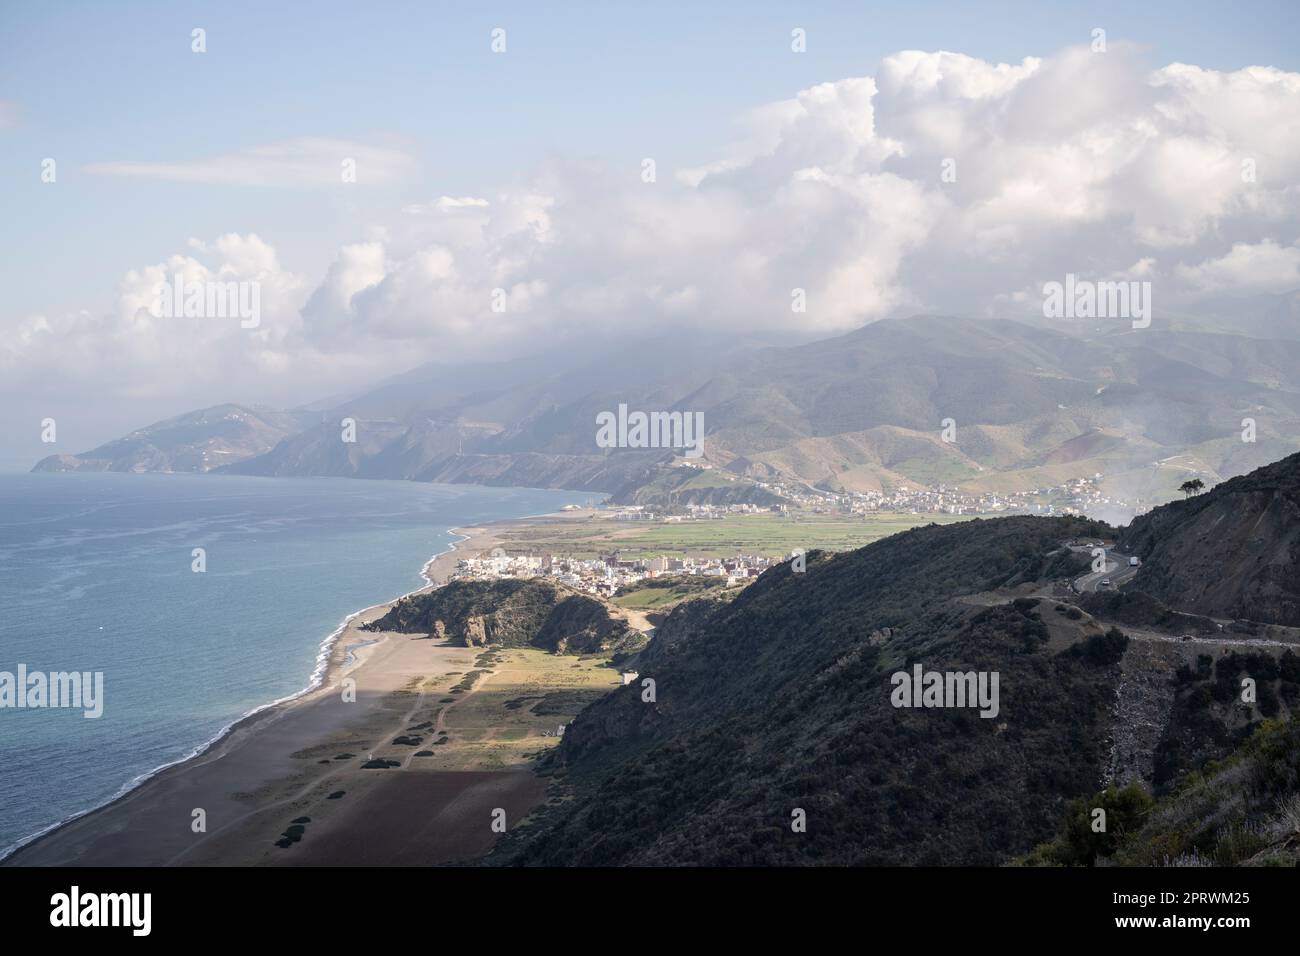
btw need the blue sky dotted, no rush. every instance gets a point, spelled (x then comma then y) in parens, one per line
(834, 189)
(97, 82)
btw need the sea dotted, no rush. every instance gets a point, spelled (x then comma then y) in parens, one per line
(99, 574)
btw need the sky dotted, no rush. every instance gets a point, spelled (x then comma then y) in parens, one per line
(502, 200)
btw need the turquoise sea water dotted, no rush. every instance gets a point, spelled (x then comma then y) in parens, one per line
(95, 575)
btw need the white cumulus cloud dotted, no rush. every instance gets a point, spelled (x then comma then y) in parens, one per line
(941, 183)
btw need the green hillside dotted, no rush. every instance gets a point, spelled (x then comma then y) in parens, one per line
(780, 700)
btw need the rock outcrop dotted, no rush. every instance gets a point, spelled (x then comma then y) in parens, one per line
(515, 613)
(1231, 552)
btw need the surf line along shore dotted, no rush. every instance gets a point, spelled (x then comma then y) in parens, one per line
(231, 802)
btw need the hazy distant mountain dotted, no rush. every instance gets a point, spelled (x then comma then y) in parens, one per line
(1267, 315)
(1031, 406)
(197, 441)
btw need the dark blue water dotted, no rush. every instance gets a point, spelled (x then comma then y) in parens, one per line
(95, 575)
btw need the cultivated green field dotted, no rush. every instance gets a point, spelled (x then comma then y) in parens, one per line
(663, 593)
(766, 534)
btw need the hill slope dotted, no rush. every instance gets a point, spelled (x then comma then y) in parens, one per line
(1241, 811)
(197, 441)
(1231, 552)
(781, 700)
(777, 704)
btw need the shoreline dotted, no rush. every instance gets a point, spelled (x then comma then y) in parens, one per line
(332, 659)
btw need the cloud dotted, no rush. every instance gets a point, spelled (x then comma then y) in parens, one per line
(1088, 163)
(1262, 267)
(8, 114)
(445, 203)
(942, 183)
(304, 161)
(131, 351)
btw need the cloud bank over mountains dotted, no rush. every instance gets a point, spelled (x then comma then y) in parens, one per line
(943, 183)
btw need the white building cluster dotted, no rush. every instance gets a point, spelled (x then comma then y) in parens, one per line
(1077, 496)
(607, 574)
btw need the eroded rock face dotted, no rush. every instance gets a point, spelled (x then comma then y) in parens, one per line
(514, 613)
(475, 631)
(1233, 552)
(1143, 701)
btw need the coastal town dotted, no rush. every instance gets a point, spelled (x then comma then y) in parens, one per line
(1077, 496)
(608, 574)
(1083, 495)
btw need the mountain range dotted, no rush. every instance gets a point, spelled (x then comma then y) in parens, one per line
(1029, 406)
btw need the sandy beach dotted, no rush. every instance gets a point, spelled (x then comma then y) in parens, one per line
(442, 722)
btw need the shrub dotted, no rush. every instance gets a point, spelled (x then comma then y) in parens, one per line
(1126, 810)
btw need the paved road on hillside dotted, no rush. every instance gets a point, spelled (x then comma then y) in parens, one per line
(1117, 571)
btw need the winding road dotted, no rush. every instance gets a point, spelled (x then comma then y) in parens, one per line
(1117, 571)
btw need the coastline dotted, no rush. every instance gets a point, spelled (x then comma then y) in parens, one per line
(337, 657)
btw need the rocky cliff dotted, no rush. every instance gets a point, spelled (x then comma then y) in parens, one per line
(1232, 552)
(515, 613)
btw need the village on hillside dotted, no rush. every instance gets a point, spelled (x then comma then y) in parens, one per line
(1083, 495)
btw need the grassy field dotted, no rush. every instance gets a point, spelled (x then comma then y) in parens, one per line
(496, 727)
(766, 534)
(663, 593)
